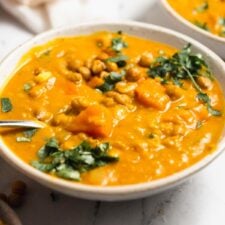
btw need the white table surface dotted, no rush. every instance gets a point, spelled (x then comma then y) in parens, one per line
(200, 201)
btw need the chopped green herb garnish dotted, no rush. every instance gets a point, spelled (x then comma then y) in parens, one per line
(6, 105)
(110, 81)
(184, 65)
(202, 8)
(201, 25)
(69, 164)
(30, 132)
(120, 60)
(118, 44)
(27, 135)
(27, 87)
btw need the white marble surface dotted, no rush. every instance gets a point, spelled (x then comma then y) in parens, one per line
(200, 201)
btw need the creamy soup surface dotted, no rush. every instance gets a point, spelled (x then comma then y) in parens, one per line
(117, 109)
(208, 15)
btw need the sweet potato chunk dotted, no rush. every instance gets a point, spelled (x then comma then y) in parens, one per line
(150, 93)
(95, 120)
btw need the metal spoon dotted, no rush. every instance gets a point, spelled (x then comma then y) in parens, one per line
(21, 123)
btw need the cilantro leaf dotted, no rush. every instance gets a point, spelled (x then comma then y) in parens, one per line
(110, 81)
(69, 164)
(184, 65)
(6, 105)
(120, 60)
(118, 44)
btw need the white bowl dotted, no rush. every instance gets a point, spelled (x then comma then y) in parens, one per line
(216, 43)
(119, 192)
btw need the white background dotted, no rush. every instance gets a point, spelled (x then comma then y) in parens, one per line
(200, 201)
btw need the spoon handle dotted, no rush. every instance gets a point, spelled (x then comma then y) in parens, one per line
(21, 123)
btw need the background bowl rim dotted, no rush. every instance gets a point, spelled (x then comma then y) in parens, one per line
(188, 24)
(156, 185)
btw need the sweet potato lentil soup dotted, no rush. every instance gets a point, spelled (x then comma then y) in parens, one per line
(118, 109)
(208, 15)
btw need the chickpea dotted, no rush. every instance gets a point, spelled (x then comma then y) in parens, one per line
(146, 59)
(86, 73)
(37, 91)
(126, 88)
(88, 63)
(108, 102)
(111, 66)
(134, 74)
(98, 66)
(74, 65)
(80, 103)
(42, 77)
(103, 56)
(204, 82)
(43, 115)
(74, 76)
(103, 74)
(119, 98)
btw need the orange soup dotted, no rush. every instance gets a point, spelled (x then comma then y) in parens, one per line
(117, 109)
(208, 15)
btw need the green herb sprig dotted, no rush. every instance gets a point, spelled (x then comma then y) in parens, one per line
(184, 65)
(69, 164)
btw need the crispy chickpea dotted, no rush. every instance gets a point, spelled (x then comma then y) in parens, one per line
(86, 73)
(98, 66)
(19, 187)
(111, 66)
(146, 59)
(133, 74)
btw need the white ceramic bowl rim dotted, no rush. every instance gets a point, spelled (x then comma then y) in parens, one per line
(113, 190)
(184, 21)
